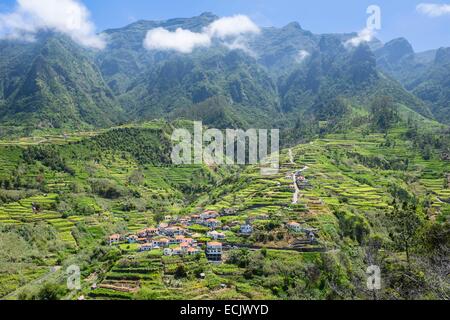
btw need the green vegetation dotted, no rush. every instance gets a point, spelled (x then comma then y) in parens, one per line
(370, 161)
(85, 190)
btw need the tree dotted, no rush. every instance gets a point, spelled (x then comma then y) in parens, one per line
(180, 272)
(384, 114)
(159, 217)
(49, 291)
(405, 227)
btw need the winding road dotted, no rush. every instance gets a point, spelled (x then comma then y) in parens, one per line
(294, 178)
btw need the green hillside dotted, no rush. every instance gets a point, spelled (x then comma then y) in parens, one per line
(79, 191)
(87, 178)
(53, 83)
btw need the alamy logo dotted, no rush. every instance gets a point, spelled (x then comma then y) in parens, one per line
(227, 147)
(374, 19)
(73, 277)
(373, 278)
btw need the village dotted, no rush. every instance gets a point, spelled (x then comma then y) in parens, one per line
(175, 237)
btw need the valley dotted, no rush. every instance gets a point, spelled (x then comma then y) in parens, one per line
(344, 192)
(88, 182)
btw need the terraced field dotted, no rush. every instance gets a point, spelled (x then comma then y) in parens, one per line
(22, 212)
(349, 177)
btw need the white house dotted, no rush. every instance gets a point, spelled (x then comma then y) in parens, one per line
(193, 251)
(212, 223)
(146, 247)
(132, 239)
(214, 251)
(173, 231)
(177, 251)
(216, 235)
(149, 232)
(163, 242)
(167, 252)
(246, 228)
(295, 226)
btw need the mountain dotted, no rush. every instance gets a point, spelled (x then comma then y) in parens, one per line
(269, 79)
(367, 185)
(434, 85)
(335, 71)
(279, 73)
(278, 49)
(181, 82)
(125, 58)
(398, 59)
(426, 74)
(54, 83)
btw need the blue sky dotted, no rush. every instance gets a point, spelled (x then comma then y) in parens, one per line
(399, 17)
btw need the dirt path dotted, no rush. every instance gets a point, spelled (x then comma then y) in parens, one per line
(291, 157)
(297, 189)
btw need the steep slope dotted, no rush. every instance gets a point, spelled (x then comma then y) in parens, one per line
(338, 71)
(278, 49)
(54, 83)
(181, 82)
(125, 58)
(434, 86)
(270, 80)
(398, 59)
(425, 74)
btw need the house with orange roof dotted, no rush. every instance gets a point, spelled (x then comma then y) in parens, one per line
(132, 239)
(193, 251)
(146, 247)
(173, 231)
(294, 226)
(214, 251)
(161, 243)
(189, 241)
(178, 251)
(209, 215)
(142, 240)
(114, 239)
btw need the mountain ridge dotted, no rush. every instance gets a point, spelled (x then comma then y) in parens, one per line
(133, 83)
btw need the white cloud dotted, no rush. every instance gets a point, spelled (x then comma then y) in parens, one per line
(69, 17)
(433, 9)
(302, 55)
(240, 43)
(365, 35)
(230, 30)
(232, 27)
(181, 40)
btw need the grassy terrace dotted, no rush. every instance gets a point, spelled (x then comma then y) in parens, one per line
(153, 276)
(349, 173)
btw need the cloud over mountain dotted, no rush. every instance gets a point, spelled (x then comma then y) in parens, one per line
(185, 41)
(302, 55)
(232, 27)
(365, 35)
(181, 40)
(69, 17)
